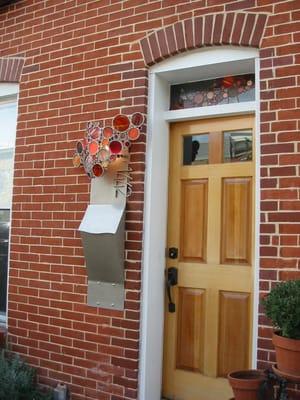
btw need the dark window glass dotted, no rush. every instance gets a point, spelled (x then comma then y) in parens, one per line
(195, 150)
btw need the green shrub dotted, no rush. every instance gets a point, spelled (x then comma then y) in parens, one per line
(282, 306)
(18, 380)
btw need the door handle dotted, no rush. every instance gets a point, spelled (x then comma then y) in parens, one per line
(171, 280)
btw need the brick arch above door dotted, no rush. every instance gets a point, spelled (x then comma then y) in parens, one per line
(11, 69)
(238, 29)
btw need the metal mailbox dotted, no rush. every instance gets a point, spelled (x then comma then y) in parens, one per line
(102, 231)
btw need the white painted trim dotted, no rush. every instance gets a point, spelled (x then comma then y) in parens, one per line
(8, 89)
(211, 111)
(203, 57)
(155, 209)
(257, 215)
(8, 94)
(155, 228)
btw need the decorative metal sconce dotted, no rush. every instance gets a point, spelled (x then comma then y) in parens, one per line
(104, 145)
(104, 152)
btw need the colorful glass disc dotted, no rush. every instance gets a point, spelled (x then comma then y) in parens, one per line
(121, 123)
(95, 134)
(133, 133)
(105, 142)
(93, 147)
(76, 160)
(103, 155)
(79, 147)
(97, 170)
(137, 119)
(107, 132)
(228, 81)
(115, 147)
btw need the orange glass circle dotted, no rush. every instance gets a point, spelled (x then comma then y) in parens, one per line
(133, 133)
(107, 132)
(76, 160)
(121, 123)
(93, 147)
(105, 142)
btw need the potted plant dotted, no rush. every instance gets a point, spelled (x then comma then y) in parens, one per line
(282, 307)
(248, 384)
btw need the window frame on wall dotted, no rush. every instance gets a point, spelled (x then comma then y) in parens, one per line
(8, 97)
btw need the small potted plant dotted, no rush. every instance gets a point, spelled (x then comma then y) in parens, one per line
(247, 384)
(282, 307)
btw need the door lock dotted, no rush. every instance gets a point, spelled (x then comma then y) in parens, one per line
(173, 253)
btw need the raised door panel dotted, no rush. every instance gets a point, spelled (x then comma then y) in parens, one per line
(234, 326)
(193, 220)
(236, 221)
(190, 329)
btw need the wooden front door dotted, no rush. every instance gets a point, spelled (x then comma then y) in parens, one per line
(210, 222)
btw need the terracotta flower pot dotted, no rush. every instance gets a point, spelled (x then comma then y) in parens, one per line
(287, 354)
(246, 384)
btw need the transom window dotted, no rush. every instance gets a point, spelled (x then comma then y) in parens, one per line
(212, 92)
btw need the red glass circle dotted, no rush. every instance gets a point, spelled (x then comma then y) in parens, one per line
(121, 123)
(93, 147)
(137, 119)
(115, 147)
(97, 170)
(107, 132)
(133, 133)
(228, 81)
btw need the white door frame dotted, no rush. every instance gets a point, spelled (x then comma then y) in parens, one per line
(197, 64)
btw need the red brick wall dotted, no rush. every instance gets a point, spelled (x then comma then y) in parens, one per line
(83, 62)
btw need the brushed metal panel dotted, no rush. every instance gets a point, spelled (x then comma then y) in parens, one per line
(106, 295)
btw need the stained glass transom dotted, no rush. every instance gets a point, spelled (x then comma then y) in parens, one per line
(230, 89)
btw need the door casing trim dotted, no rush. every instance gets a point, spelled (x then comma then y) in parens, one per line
(177, 69)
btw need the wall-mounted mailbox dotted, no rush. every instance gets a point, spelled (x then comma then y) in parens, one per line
(102, 232)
